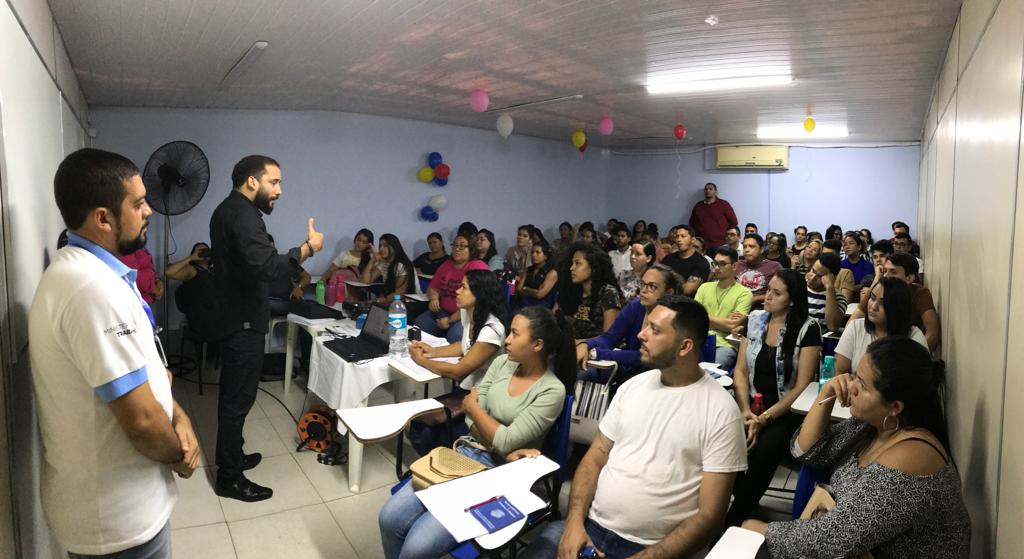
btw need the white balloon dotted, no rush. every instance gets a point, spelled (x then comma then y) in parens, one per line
(505, 125)
(438, 202)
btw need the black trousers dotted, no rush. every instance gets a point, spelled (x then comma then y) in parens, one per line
(772, 445)
(241, 367)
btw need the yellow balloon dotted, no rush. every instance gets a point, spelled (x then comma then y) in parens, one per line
(426, 174)
(578, 138)
(809, 124)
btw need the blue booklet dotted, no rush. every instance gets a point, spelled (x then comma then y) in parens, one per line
(496, 514)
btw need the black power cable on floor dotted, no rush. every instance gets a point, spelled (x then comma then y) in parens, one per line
(183, 375)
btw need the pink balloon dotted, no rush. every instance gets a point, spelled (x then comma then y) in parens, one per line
(606, 125)
(478, 100)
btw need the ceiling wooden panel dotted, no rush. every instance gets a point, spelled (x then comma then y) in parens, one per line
(868, 64)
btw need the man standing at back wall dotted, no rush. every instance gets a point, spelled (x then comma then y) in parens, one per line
(247, 262)
(711, 217)
(111, 431)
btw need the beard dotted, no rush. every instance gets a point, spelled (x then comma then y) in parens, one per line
(264, 202)
(130, 245)
(659, 361)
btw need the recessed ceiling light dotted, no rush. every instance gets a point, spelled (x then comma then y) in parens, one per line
(797, 132)
(711, 20)
(719, 79)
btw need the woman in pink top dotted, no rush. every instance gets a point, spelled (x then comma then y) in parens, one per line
(151, 287)
(443, 317)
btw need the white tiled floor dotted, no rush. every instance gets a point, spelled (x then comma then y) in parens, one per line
(312, 513)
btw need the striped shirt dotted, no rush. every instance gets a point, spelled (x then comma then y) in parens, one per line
(816, 306)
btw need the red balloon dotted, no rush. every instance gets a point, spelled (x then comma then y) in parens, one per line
(679, 131)
(442, 171)
(583, 147)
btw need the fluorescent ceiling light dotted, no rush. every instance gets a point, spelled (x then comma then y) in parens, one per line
(722, 79)
(797, 132)
(243, 64)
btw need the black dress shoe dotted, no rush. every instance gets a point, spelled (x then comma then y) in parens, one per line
(243, 490)
(250, 461)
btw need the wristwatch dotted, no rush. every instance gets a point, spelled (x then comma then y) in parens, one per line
(593, 353)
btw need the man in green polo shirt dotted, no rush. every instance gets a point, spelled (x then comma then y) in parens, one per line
(727, 303)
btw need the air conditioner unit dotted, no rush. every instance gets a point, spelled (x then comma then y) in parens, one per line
(752, 157)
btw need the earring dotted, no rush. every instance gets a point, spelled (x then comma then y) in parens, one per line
(886, 420)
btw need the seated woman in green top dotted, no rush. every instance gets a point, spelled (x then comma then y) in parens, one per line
(509, 414)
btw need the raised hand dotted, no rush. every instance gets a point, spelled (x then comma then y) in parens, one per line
(313, 237)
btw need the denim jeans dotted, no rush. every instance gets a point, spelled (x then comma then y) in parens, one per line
(725, 357)
(611, 544)
(409, 531)
(427, 322)
(159, 547)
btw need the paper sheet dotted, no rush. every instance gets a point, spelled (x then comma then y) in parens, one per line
(737, 543)
(448, 501)
(411, 369)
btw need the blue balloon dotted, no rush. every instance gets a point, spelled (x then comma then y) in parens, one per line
(440, 182)
(425, 212)
(433, 215)
(434, 159)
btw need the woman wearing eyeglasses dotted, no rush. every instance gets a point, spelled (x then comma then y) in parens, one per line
(657, 281)
(443, 317)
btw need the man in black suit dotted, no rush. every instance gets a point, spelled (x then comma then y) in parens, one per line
(246, 262)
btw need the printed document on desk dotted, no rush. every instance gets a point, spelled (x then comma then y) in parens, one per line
(414, 371)
(448, 501)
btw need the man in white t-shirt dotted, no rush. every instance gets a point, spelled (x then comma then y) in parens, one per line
(657, 479)
(112, 433)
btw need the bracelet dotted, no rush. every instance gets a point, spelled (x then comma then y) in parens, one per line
(311, 251)
(767, 417)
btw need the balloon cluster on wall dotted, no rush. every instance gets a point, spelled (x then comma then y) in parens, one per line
(438, 172)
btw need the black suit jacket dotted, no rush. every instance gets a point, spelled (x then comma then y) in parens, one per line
(246, 263)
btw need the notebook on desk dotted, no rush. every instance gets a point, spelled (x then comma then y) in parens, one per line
(371, 342)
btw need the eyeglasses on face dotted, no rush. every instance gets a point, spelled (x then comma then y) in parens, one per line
(652, 286)
(457, 246)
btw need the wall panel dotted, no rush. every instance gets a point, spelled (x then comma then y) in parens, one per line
(975, 314)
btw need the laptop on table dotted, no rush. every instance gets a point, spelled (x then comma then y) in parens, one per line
(372, 341)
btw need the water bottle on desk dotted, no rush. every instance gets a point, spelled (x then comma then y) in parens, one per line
(321, 291)
(828, 370)
(332, 291)
(397, 325)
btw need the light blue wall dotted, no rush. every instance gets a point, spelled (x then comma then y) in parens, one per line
(349, 171)
(854, 187)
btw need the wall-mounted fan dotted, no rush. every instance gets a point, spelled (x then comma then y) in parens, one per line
(176, 177)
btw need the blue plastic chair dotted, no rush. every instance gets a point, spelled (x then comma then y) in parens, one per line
(806, 480)
(708, 349)
(424, 284)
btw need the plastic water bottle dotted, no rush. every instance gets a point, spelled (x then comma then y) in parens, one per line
(332, 291)
(321, 290)
(757, 408)
(828, 370)
(398, 328)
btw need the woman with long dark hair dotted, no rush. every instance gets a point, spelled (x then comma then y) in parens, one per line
(392, 265)
(587, 291)
(639, 228)
(834, 232)
(777, 360)
(428, 262)
(889, 313)
(484, 316)
(896, 486)
(517, 258)
(775, 249)
(510, 413)
(355, 260)
(537, 287)
(620, 343)
(484, 251)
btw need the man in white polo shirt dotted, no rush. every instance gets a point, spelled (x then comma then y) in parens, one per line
(112, 433)
(657, 479)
